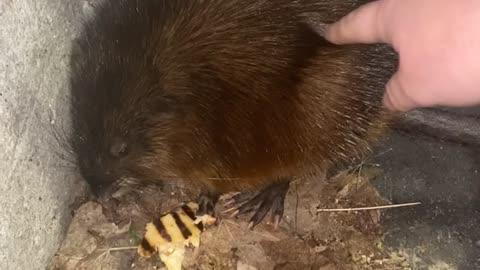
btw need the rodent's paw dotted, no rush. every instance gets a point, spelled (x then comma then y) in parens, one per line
(207, 204)
(271, 199)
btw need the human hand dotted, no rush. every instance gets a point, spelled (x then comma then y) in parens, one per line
(438, 42)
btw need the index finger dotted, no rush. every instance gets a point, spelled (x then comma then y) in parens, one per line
(363, 25)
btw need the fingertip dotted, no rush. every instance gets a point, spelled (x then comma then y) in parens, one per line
(332, 33)
(359, 26)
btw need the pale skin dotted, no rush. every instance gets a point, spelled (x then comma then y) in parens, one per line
(438, 42)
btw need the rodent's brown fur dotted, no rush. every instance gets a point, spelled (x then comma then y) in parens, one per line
(224, 94)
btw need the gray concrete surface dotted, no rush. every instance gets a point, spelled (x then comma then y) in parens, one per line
(36, 185)
(443, 232)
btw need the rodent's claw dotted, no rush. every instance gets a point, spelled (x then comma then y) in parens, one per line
(277, 210)
(271, 199)
(241, 198)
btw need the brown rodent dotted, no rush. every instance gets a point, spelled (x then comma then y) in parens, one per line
(226, 95)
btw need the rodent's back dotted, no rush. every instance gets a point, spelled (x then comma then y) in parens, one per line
(211, 90)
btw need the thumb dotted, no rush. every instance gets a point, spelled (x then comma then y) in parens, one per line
(363, 25)
(396, 96)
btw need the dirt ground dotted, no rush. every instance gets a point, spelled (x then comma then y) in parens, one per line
(104, 237)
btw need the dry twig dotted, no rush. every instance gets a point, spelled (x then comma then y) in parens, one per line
(71, 257)
(118, 248)
(368, 208)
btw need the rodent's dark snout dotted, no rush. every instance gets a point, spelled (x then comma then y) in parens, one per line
(101, 189)
(100, 179)
(118, 148)
(97, 189)
(103, 168)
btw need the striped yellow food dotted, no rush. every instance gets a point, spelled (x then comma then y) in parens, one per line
(169, 234)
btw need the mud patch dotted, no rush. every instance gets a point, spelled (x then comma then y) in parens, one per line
(104, 237)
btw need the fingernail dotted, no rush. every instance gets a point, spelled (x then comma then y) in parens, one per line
(322, 29)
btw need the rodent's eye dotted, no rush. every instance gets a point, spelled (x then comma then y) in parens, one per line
(119, 148)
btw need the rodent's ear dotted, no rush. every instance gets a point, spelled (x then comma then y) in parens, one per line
(118, 148)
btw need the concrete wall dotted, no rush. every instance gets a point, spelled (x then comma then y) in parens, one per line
(36, 185)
